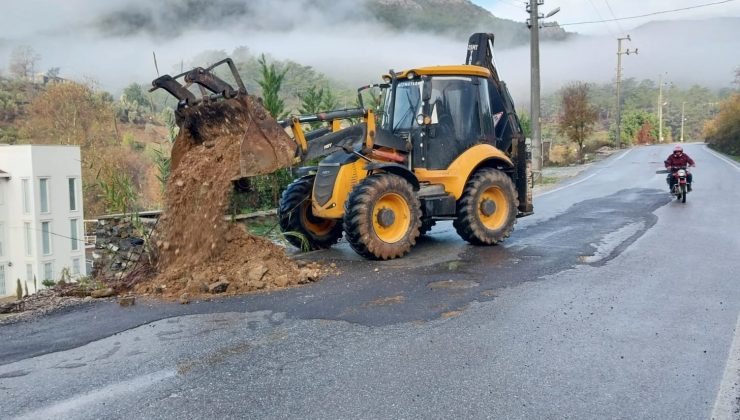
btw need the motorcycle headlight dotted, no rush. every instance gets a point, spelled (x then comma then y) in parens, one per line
(681, 172)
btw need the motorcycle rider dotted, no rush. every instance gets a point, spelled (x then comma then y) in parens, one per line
(678, 159)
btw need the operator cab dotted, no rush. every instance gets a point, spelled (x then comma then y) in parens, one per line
(443, 111)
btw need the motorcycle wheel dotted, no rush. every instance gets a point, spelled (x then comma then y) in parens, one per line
(683, 193)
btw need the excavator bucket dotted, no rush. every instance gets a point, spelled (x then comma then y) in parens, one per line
(224, 113)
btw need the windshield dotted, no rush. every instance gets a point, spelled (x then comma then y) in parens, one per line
(407, 106)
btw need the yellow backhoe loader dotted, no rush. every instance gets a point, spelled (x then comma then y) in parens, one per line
(446, 144)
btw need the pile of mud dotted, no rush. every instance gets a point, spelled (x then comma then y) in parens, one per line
(200, 252)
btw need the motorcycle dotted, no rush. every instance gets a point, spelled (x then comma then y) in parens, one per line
(680, 185)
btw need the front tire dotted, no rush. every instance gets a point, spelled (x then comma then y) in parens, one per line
(382, 217)
(298, 223)
(486, 212)
(683, 193)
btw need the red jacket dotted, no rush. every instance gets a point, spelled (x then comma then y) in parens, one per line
(678, 161)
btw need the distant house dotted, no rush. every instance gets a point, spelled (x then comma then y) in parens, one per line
(41, 217)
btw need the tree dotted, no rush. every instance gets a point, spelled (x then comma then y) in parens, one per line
(315, 100)
(577, 115)
(271, 81)
(23, 61)
(723, 132)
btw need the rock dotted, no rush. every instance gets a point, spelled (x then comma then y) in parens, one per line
(218, 287)
(196, 286)
(185, 298)
(87, 299)
(256, 273)
(127, 301)
(307, 275)
(333, 265)
(179, 183)
(102, 293)
(165, 245)
(257, 285)
(301, 263)
(282, 281)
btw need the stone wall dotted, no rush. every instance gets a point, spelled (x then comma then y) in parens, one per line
(120, 244)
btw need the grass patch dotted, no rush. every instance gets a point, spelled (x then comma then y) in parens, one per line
(548, 180)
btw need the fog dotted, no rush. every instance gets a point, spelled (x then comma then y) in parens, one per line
(112, 43)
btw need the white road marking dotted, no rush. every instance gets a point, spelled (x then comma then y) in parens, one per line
(586, 178)
(728, 161)
(65, 408)
(729, 391)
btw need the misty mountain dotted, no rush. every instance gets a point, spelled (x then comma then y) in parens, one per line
(459, 18)
(170, 18)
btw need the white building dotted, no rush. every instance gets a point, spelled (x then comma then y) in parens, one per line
(41, 218)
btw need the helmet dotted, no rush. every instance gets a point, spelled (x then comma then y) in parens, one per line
(678, 149)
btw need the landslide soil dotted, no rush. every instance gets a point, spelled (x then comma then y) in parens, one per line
(197, 248)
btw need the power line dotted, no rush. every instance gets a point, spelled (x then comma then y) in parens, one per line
(598, 14)
(612, 13)
(647, 14)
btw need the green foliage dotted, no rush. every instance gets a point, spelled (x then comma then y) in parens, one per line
(161, 155)
(264, 192)
(526, 123)
(271, 80)
(118, 192)
(48, 283)
(315, 100)
(134, 106)
(638, 126)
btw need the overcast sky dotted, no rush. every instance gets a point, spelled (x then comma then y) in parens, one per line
(590, 10)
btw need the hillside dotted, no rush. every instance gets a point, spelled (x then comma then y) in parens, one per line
(458, 18)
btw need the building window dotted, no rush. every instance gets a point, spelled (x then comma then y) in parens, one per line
(26, 187)
(72, 194)
(44, 195)
(2, 239)
(28, 239)
(48, 271)
(73, 234)
(29, 273)
(75, 266)
(46, 238)
(2, 280)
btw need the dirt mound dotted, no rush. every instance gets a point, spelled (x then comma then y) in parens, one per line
(199, 252)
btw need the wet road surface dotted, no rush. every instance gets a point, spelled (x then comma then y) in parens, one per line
(612, 301)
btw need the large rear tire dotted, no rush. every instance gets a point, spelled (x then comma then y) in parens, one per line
(298, 223)
(486, 212)
(382, 217)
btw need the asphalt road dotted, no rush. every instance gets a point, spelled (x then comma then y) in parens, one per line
(612, 301)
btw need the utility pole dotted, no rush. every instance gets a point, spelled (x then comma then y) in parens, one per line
(683, 104)
(660, 108)
(619, 85)
(534, 60)
(534, 48)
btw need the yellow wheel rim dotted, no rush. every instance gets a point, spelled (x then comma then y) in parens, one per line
(493, 208)
(391, 218)
(313, 224)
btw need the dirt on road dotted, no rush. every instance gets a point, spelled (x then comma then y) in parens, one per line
(199, 252)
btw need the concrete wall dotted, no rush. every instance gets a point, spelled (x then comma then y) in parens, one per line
(56, 164)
